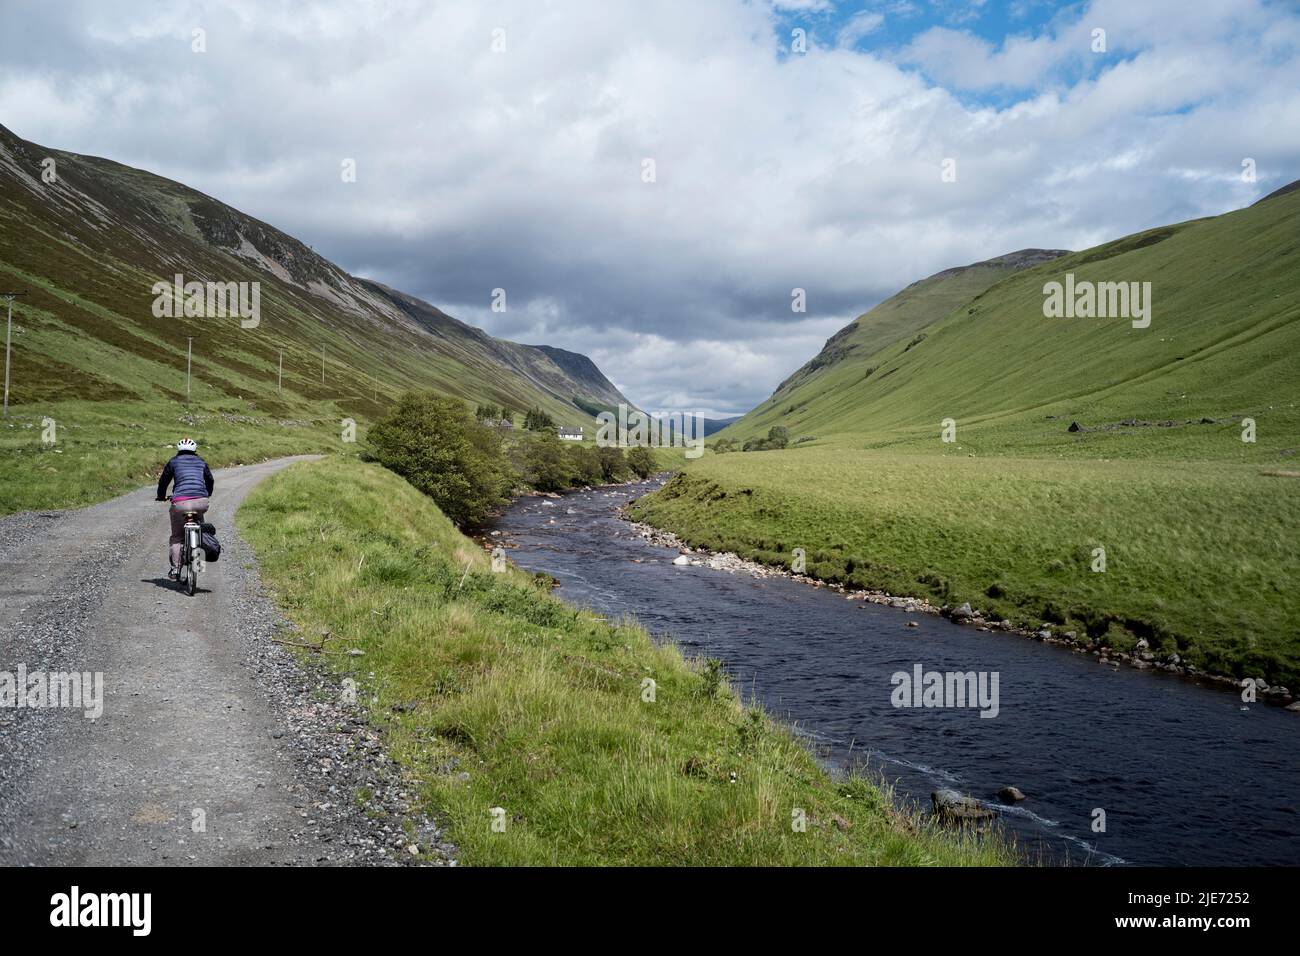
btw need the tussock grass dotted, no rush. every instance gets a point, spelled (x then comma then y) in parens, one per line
(471, 672)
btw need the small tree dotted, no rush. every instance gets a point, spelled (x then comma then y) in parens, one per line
(586, 464)
(537, 420)
(432, 442)
(613, 464)
(641, 460)
(546, 465)
(778, 436)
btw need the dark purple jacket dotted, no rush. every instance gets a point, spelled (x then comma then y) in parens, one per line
(191, 474)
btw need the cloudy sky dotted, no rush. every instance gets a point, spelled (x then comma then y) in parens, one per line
(795, 144)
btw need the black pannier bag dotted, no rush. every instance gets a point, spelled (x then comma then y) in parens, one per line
(208, 541)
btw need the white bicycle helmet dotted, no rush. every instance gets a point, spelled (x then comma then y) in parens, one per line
(187, 444)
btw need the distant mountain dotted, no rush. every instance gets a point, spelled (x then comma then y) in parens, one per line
(712, 425)
(90, 241)
(582, 371)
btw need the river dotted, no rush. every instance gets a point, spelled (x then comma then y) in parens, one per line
(1184, 773)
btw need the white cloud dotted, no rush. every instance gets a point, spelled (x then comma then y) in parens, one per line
(860, 25)
(803, 6)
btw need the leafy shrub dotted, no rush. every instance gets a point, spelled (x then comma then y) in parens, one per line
(613, 464)
(641, 461)
(585, 464)
(546, 464)
(711, 678)
(778, 436)
(434, 443)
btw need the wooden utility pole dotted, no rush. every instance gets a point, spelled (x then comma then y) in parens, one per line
(189, 363)
(322, 365)
(279, 382)
(9, 330)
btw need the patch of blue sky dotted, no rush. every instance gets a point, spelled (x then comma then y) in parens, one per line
(889, 28)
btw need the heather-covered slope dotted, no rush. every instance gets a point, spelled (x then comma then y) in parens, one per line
(90, 245)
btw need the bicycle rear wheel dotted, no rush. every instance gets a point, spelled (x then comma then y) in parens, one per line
(191, 574)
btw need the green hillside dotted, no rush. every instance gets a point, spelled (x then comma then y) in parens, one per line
(1198, 527)
(89, 353)
(849, 357)
(1222, 345)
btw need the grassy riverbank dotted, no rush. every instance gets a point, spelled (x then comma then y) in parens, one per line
(1200, 559)
(541, 705)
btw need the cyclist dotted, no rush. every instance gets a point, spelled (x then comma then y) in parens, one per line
(191, 481)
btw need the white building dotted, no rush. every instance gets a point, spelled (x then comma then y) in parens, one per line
(570, 434)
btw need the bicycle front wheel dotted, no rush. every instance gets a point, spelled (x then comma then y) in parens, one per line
(191, 572)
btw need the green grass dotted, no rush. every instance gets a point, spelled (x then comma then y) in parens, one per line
(103, 449)
(541, 704)
(1200, 561)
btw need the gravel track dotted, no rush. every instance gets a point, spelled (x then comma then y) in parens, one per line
(204, 717)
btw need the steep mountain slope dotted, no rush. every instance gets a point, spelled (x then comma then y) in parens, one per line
(1222, 345)
(582, 371)
(90, 242)
(827, 379)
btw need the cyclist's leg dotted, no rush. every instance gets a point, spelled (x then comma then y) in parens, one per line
(198, 507)
(177, 515)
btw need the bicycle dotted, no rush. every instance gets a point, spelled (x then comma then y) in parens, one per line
(192, 556)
